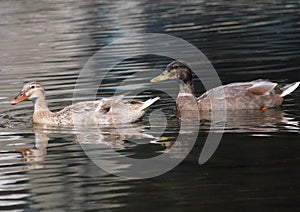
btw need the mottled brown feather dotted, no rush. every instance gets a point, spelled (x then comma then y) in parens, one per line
(103, 111)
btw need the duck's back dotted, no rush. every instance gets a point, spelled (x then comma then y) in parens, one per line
(256, 94)
(104, 111)
(100, 112)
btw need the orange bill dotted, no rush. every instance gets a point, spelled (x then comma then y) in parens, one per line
(20, 98)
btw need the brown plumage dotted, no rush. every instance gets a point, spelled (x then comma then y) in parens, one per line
(103, 111)
(257, 94)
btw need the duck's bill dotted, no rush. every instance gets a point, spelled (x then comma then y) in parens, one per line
(20, 98)
(162, 77)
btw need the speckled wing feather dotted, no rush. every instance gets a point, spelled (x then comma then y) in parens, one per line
(250, 95)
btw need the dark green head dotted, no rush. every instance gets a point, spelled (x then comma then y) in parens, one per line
(175, 70)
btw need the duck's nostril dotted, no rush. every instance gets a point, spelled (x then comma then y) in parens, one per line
(19, 98)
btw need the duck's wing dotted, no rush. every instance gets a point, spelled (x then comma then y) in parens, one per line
(261, 87)
(105, 105)
(102, 105)
(249, 95)
(264, 87)
(285, 90)
(130, 111)
(236, 95)
(258, 87)
(88, 112)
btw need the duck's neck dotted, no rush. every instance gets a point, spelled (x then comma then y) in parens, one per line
(186, 88)
(186, 102)
(40, 105)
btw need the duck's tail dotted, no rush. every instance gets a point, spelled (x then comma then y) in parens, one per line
(148, 103)
(289, 88)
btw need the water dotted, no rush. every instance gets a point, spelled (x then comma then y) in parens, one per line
(255, 166)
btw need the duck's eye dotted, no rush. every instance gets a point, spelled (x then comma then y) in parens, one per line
(32, 87)
(175, 67)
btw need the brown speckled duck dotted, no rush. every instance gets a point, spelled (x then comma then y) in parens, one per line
(257, 94)
(103, 111)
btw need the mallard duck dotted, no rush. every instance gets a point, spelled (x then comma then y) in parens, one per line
(257, 94)
(103, 111)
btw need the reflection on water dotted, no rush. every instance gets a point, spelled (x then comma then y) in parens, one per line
(256, 121)
(255, 165)
(126, 138)
(115, 137)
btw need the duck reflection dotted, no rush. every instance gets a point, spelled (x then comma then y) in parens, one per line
(251, 122)
(116, 137)
(36, 154)
(176, 140)
(248, 121)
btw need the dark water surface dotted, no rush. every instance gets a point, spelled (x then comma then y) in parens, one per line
(256, 165)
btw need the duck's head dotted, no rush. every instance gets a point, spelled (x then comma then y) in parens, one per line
(30, 91)
(175, 70)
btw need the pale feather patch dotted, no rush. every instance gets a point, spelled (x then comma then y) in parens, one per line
(289, 89)
(148, 103)
(185, 94)
(99, 106)
(262, 88)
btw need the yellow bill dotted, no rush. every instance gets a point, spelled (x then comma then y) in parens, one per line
(162, 77)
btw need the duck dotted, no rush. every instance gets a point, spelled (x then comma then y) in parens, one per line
(104, 111)
(257, 94)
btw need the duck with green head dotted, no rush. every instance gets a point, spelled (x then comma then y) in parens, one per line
(257, 94)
